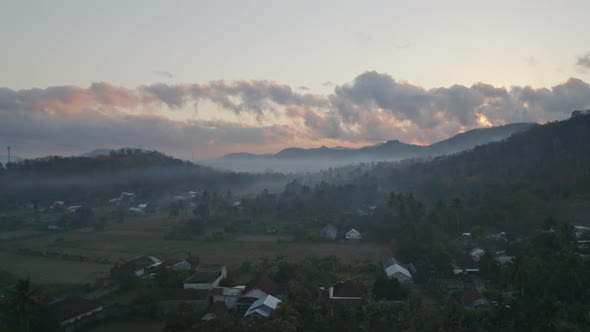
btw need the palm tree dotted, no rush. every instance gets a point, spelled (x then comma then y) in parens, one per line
(24, 306)
(547, 316)
(519, 274)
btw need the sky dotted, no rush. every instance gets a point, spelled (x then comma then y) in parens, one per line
(199, 79)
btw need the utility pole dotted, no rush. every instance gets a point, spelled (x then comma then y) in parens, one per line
(8, 148)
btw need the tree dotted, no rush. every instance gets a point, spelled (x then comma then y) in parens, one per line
(518, 274)
(285, 318)
(489, 267)
(457, 206)
(27, 313)
(202, 211)
(121, 215)
(389, 289)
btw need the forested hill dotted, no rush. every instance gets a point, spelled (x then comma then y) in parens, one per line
(544, 170)
(147, 172)
(557, 152)
(116, 160)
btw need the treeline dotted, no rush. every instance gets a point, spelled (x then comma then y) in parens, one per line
(148, 173)
(515, 183)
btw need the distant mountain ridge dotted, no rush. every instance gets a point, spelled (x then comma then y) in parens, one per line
(393, 149)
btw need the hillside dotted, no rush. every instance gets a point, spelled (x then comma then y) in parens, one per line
(390, 150)
(534, 175)
(102, 176)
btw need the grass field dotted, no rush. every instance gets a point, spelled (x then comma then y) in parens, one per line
(142, 326)
(47, 270)
(100, 250)
(21, 233)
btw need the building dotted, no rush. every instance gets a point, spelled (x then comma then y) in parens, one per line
(74, 208)
(140, 266)
(226, 295)
(257, 289)
(464, 264)
(395, 270)
(177, 265)
(140, 209)
(353, 235)
(504, 259)
(263, 307)
(74, 312)
(580, 231)
(206, 276)
(472, 299)
(348, 290)
(329, 232)
(198, 299)
(476, 254)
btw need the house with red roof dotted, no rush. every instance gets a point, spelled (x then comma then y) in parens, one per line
(74, 311)
(348, 290)
(141, 265)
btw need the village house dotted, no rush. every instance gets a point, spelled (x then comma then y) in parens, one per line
(74, 208)
(257, 289)
(140, 209)
(347, 291)
(395, 270)
(263, 307)
(329, 232)
(177, 264)
(261, 287)
(127, 196)
(580, 231)
(226, 295)
(57, 204)
(472, 299)
(206, 276)
(464, 264)
(198, 299)
(140, 266)
(504, 259)
(476, 254)
(74, 312)
(353, 236)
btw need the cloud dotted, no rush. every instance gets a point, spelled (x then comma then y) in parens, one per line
(163, 73)
(372, 107)
(584, 61)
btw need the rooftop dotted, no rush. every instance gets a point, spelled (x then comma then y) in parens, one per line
(226, 291)
(265, 284)
(187, 294)
(73, 306)
(200, 277)
(141, 262)
(348, 288)
(263, 306)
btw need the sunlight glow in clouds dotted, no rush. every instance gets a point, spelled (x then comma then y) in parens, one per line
(206, 120)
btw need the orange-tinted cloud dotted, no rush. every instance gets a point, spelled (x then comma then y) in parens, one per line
(373, 107)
